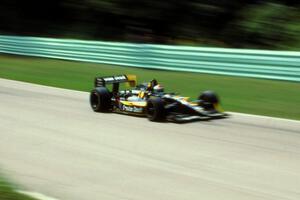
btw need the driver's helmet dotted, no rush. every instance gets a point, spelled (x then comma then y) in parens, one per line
(152, 84)
(158, 88)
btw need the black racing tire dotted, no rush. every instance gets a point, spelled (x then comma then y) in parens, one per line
(208, 99)
(155, 110)
(100, 99)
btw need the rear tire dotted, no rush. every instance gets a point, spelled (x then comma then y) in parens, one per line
(100, 99)
(155, 109)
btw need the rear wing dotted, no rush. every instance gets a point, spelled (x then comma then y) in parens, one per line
(115, 80)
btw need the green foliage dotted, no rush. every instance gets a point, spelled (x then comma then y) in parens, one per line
(271, 25)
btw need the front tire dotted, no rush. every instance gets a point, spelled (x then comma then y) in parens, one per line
(208, 100)
(155, 109)
(100, 99)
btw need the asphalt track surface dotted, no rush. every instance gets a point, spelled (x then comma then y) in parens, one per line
(52, 143)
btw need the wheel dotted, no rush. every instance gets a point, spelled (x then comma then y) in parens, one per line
(208, 100)
(155, 109)
(100, 99)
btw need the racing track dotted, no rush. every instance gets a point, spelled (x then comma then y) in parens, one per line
(51, 142)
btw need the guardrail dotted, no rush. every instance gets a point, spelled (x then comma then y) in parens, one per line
(280, 65)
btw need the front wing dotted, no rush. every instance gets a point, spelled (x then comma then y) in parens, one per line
(207, 115)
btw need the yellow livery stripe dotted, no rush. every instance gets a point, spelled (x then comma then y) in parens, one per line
(137, 103)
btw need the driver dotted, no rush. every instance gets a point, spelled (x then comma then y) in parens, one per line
(152, 84)
(153, 87)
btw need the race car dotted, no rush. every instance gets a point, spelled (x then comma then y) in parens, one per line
(150, 100)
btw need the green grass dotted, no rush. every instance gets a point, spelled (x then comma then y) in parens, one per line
(8, 192)
(246, 95)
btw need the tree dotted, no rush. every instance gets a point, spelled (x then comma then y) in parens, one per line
(269, 25)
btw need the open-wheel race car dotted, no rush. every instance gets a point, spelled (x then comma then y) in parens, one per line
(150, 100)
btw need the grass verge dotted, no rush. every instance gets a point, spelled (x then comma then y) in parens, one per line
(8, 192)
(246, 95)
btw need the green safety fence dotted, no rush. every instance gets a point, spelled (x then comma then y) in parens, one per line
(279, 65)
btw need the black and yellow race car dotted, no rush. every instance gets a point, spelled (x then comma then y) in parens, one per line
(149, 99)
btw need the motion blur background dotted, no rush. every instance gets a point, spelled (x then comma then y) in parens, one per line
(260, 24)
